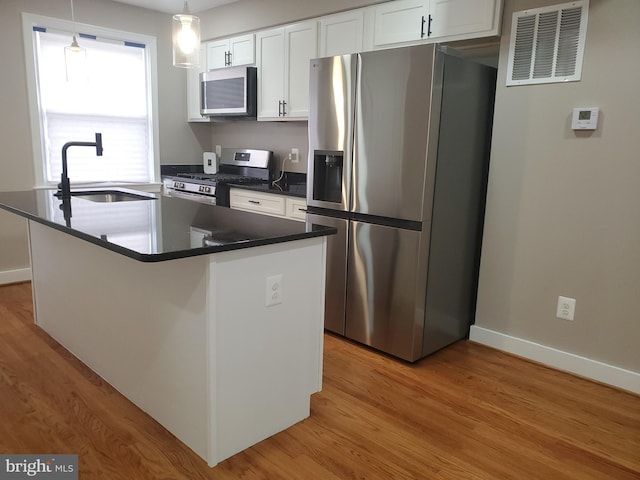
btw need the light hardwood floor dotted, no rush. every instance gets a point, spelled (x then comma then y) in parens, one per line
(467, 412)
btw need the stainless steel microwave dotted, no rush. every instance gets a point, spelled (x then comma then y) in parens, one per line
(229, 92)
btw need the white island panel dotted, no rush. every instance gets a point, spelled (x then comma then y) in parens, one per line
(268, 359)
(191, 341)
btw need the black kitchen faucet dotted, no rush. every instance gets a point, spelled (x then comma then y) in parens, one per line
(64, 187)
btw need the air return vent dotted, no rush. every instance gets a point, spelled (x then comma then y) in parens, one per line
(547, 44)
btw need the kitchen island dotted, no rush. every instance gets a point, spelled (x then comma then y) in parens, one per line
(207, 318)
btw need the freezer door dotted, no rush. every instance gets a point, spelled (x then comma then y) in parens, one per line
(393, 109)
(385, 293)
(331, 115)
(336, 279)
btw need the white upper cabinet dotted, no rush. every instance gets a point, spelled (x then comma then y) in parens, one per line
(193, 88)
(341, 34)
(407, 22)
(282, 54)
(270, 62)
(217, 53)
(230, 52)
(282, 58)
(400, 21)
(462, 17)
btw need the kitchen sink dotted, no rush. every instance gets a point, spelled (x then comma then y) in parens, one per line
(107, 196)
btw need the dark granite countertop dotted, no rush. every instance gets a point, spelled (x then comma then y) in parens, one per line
(289, 189)
(157, 229)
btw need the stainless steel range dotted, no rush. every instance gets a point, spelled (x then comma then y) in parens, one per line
(236, 167)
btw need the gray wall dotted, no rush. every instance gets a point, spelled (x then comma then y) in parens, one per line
(178, 140)
(563, 208)
(253, 15)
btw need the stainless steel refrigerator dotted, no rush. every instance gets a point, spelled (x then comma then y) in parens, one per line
(398, 159)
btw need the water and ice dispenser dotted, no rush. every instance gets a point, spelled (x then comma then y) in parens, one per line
(328, 168)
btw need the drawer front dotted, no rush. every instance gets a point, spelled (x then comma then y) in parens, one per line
(257, 202)
(296, 209)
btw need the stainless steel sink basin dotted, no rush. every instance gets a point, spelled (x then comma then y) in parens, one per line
(111, 196)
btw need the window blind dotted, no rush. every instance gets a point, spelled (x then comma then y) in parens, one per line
(112, 99)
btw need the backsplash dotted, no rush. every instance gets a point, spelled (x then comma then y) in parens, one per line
(279, 137)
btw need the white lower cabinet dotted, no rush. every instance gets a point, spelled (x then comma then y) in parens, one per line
(271, 204)
(296, 208)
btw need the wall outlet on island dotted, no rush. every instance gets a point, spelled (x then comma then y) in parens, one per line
(218, 150)
(294, 155)
(274, 290)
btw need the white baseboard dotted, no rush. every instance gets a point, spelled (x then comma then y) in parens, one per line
(15, 276)
(569, 362)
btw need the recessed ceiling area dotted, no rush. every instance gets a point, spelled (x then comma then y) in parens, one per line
(176, 6)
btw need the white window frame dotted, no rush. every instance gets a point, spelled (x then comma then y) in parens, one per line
(37, 134)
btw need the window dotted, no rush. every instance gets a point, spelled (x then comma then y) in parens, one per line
(115, 97)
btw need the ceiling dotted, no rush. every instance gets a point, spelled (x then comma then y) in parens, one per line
(175, 6)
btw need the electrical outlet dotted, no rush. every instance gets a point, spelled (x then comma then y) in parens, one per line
(274, 290)
(566, 308)
(219, 150)
(294, 155)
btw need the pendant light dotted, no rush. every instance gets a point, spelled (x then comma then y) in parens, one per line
(186, 39)
(75, 56)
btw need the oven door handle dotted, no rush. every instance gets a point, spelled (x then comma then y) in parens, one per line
(193, 197)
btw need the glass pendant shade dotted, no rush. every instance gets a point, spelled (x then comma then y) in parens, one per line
(75, 59)
(186, 39)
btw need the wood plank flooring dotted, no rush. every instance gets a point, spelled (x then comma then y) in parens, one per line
(467, 412)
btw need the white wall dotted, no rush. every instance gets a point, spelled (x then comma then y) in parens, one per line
(563, 208)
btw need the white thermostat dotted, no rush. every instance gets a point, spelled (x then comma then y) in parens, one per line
(585, 118)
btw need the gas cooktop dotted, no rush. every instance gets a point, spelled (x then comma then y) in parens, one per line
(236, 166)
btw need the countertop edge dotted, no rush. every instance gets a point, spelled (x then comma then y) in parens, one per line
(175, 255)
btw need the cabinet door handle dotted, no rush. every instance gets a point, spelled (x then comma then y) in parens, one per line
(254, 202)
(284, 108)
(229, 58)
(428, 26)
(279, 108)
(226, 58)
